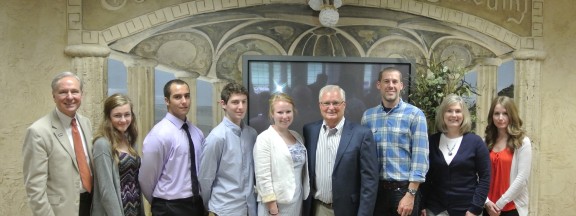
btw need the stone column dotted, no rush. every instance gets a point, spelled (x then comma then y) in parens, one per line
(217, 112)
(190, 78)
(90, 63)
(527, 90)
(486, 82)
(140, 81)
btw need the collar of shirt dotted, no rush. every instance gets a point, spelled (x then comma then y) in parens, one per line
(237, 129)
(338, 126)
(176, 121)
(66, 120)
(400, 104)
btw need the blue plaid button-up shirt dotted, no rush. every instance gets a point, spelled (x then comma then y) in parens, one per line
(402, 139)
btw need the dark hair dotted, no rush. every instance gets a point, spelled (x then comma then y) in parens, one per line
(169, 84)
(107, 130)
(387, 70)
(515, 132)
(230, 89)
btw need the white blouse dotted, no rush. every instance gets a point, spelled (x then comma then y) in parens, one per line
(449, 147)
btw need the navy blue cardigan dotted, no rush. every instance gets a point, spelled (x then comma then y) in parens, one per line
(461, 186)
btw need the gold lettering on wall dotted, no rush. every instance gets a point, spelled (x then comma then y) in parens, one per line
(514, 11)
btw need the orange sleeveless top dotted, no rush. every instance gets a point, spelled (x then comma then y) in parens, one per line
(501, 163)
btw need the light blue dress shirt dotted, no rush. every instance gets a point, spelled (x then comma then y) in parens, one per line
(227, 170)
(165, 169)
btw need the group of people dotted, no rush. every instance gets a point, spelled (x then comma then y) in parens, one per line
(384, 165)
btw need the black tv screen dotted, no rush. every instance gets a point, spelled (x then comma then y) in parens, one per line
(302, 77)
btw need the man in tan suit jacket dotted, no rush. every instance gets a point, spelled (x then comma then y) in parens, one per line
(51, 171)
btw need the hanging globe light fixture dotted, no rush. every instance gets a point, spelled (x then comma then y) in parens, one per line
(328, 11)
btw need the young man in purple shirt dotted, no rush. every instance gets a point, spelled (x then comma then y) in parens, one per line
(168, 173)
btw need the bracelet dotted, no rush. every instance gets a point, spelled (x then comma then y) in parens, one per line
(273, 214)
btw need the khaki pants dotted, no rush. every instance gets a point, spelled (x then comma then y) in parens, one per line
(212, 214)
(322, 210)
(429, 213)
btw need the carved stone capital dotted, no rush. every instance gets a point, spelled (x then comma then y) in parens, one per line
(186, 74)
(488, 61)
(529, 54)
(87, 50)
(139, 62)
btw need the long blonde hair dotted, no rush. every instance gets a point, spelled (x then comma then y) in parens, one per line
(515, 132)
(107, 130)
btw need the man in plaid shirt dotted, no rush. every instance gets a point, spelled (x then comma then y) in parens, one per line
(400, 133)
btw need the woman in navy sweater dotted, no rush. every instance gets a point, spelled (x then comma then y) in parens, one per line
(458, 180)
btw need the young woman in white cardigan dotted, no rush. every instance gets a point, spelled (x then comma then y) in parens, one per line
(511, 156)
(280, 163)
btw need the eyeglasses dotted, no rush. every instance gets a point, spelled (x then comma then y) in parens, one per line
(333, 103)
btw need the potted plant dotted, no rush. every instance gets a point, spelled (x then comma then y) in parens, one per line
(434, 82)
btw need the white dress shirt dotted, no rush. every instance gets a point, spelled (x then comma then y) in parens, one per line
(328, 142)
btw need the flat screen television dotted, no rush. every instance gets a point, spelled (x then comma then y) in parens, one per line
(302, 77)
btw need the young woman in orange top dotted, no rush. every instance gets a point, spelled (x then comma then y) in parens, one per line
(510, 156)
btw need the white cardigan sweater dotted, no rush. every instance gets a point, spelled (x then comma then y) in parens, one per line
(519, 175)
(274, 168)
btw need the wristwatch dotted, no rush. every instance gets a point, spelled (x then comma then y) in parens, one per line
(412, 191)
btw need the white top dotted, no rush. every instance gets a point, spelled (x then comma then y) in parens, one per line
(328, 142)
(449, 147)
(274, 170)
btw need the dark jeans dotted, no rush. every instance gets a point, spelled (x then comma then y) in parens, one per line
(178, 207)
(389, 198)
(512, 212)
(85, 204)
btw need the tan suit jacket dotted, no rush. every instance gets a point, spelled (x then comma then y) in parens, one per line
(51, 175)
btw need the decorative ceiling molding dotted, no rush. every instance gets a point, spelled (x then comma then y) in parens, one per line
(194, 8)
(213, 32)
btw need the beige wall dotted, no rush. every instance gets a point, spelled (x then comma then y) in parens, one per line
(558, 166)
(33, 37)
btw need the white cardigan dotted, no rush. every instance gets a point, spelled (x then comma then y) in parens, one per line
(274, 168)
(519, 174)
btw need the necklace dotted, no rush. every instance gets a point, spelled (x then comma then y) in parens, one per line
(450, 149)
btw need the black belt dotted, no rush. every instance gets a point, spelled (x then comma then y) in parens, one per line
(327, 205)
(194, 200)
(393, 185)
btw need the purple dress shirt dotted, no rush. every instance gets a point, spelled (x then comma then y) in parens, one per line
(165, 170)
